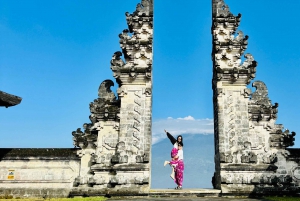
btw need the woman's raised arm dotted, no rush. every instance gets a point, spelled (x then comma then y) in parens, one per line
(171, 138)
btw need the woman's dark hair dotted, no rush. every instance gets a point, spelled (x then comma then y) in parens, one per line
(180, 143)
(181, 139)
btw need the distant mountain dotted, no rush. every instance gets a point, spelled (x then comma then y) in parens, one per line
(199, 164)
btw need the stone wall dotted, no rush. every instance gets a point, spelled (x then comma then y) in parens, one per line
(37, 172)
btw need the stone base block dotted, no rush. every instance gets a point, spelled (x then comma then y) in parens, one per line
(34, 193)
(117, 190)
(258, 190)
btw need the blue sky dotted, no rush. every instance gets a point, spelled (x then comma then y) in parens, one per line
(54, 54)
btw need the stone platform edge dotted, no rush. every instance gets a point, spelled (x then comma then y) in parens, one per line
(189, 192)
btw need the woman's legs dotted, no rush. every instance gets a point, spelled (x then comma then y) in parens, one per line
(173, 165)
(179, 173)
(173, 173)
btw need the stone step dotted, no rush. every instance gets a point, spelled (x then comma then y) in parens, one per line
(188, 192)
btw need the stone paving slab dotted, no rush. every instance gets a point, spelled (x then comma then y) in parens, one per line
(188, 190)
(187, 199)
(184, 194)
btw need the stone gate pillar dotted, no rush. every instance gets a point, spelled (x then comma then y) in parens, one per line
(230, 95)
(251, 154)
(116, 146)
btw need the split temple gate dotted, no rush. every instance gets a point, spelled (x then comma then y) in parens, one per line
(112, 154)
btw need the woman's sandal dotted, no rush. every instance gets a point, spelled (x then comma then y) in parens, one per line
(178, 188)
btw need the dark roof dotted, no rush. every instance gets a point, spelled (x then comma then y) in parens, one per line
(40, 153)
(8, 100)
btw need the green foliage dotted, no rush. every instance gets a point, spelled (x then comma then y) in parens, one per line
(282, 198)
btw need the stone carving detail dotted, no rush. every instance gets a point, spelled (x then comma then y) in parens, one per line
(104, 115)
(122, 179)
(277, 181)
(111, 141)
(122, 92)
(226, 158)
(228, 48)
(249, 158)
(105, 107)
(138, 180)
(136, 45)
(296, 173)
(260, 107)
(99, 180)
(282, 139)
(270, 159)
(114, 180)
(148, 92)
(86, 138)
(251, 150)
(116, 64)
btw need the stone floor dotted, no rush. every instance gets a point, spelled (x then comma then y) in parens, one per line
(184, 194)
(186, 199)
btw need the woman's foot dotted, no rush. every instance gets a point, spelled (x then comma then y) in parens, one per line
(166, 162)
(178, 188)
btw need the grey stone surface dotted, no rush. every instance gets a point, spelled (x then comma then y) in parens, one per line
(38, 172)
(189, 199)
(251, 155)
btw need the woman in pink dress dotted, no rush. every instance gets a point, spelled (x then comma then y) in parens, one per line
(177, 160)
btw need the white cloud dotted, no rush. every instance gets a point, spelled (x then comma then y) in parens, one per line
(181, 126)
(187, 118)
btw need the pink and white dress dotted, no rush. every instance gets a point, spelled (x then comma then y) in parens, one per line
(179, 167)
